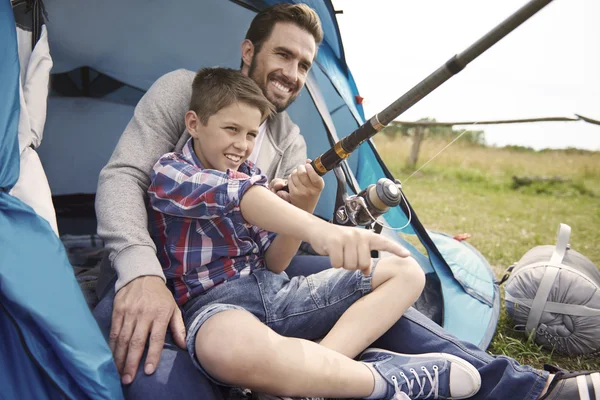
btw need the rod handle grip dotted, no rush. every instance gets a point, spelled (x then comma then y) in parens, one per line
(286, 188)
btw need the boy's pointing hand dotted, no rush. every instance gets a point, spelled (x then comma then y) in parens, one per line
(350, 248)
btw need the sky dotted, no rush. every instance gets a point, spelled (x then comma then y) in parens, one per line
(547, 67)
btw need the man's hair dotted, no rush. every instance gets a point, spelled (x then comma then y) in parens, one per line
(216, 88)
(299, 14)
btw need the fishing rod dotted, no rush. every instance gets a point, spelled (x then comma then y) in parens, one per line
(344, 147)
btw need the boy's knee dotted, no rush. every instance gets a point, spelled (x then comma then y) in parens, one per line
(410, 270)
(220, 348)
(215, 344)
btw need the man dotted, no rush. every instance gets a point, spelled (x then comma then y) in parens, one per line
(279, 62)
(277, 53)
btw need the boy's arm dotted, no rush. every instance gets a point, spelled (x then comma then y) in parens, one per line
(280, 252)
(346, 247)
(305, 187)
(184, 190)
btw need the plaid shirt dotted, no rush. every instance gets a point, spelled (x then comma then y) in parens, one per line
(202, 240)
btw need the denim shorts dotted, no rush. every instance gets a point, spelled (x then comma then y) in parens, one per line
(300, 307)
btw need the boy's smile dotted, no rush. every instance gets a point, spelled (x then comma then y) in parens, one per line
(227, 139)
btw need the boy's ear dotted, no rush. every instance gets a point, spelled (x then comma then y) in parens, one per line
(247, 52)
(192, 123)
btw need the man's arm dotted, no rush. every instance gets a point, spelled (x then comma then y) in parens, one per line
(143, 306)
(154, 130)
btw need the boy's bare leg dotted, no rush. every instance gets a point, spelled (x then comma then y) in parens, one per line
(397, 283)
(236, 348)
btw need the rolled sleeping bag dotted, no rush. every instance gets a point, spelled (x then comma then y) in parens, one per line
(553, 294)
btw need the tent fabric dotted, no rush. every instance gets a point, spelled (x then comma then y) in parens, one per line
(92, 132)
(128, 50)
(9, 101)
(57, 348)
(32, 187)
(51, 345)
(34, 77)
(467, 265)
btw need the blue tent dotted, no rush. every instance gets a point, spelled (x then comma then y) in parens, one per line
(51, 346)
(106, 55)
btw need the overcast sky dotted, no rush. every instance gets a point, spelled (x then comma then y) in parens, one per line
(549, 66)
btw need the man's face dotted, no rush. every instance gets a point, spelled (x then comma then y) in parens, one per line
(281, 65)
(227, 139)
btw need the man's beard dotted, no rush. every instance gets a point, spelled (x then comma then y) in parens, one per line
(263, 87)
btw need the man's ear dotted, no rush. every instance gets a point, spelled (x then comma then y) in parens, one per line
(192, 123)
(247, 53)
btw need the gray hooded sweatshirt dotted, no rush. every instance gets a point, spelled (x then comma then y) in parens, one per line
(155, 129)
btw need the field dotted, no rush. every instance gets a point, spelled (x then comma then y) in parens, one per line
(470, 189)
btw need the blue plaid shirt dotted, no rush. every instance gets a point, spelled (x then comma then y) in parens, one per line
(201, 238)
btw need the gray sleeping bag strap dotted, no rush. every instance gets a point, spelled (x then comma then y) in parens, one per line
(562, 243)
(541, 296)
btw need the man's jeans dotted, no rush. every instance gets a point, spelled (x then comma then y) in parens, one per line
(176, 377)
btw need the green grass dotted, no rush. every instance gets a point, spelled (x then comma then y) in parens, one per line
(469, 189)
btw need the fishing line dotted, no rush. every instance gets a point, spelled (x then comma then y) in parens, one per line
(385, 226)
(440, 152)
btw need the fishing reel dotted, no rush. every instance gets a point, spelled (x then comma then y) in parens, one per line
(365, 207)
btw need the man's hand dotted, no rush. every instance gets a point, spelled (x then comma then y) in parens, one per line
(276, 185)
(350, 248)
(305, 187)
(142, 308)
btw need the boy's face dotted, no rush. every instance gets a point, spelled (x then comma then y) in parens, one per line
(227, 139)
(281, 66)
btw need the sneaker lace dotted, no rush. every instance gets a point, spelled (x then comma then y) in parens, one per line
(412, 382)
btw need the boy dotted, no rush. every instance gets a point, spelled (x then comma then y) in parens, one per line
(247, 323)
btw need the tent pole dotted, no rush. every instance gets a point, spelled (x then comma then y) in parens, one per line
(342, 149)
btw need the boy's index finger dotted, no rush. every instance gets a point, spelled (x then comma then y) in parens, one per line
(384, 244)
